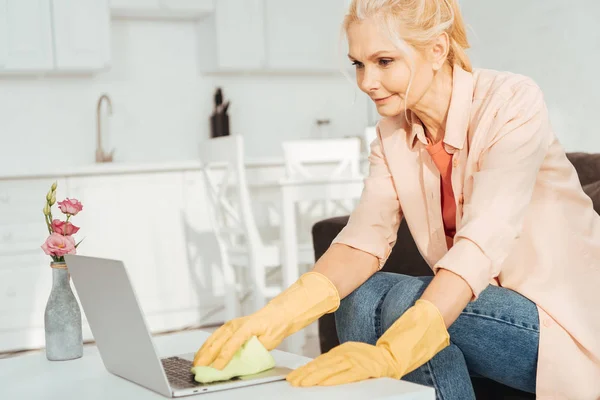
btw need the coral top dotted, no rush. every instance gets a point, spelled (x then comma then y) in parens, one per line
(443, 161)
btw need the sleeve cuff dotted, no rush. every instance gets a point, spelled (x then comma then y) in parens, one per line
(467, 260)
(492, 235)
(366, 241)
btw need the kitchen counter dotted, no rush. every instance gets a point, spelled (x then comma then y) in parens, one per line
(119, 168)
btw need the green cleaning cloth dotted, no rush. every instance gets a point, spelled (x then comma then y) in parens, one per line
(251, 358)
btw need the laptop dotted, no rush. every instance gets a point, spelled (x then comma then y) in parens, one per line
(124, 341)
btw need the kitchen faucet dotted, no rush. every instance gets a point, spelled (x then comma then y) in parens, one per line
(101, 156)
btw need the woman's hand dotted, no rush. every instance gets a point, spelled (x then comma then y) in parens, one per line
(346, 363)
(417, 336)
(311, 296)
(221, 346)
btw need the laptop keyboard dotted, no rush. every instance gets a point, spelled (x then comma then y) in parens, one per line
(178, 372)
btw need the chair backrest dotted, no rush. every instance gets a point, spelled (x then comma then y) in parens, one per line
(330, 159)
(230, 207)
(370, 135)
(343, 154)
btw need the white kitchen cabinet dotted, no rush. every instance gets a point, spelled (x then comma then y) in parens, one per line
(22, 226)
(142, 219)
(22, 200)
(162, 9)
(154, 218)
(135, 4)
(25, 36)
(3, 34)
(137, 219)
(274, 36)
(156, 222)
(81, 34)
(189, 5)
(305, 35)
(45, 36)
(25, 284)
(25, 274)
(204, 272)
(233, 38)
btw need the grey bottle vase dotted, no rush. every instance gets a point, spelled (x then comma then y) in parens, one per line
(62, 318)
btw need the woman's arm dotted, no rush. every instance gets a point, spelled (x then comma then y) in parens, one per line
(449, 293)
(365, 243)
(346, 267)
(494, 214)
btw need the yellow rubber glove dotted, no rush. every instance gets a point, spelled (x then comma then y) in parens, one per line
(311, 296)
(418, 335)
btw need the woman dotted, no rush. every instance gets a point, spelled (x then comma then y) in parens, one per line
(469, 160)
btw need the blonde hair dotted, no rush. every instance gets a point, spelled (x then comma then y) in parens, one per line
(417, 23)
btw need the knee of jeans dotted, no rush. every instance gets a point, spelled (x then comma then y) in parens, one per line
(356, 317)
(400, 298)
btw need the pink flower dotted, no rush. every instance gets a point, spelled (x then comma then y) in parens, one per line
(64, 228)
(70, 206)
(59, 245)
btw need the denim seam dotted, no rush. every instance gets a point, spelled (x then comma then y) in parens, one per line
(378, 330)
(500, 320)
(438, 393)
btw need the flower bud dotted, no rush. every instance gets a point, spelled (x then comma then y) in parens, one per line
(54, 186)
(47, 209)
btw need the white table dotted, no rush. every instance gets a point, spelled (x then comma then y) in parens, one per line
(34, 377)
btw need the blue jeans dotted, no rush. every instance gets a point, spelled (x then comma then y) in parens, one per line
(496, 336)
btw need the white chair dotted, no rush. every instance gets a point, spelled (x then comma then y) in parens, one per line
(370, 135)
(241, 246)
(238, 238)
(331, 159)
(322, 180)
(341, 154)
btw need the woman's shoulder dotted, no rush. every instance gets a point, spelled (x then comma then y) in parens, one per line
(501, 85)
(503, 101)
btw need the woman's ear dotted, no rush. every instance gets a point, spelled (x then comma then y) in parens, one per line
(439, 51)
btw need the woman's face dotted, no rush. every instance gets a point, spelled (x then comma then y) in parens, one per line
(383, 72)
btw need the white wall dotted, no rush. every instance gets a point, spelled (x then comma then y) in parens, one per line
(161, 104)
(555, 42)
